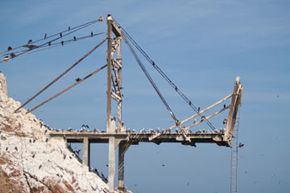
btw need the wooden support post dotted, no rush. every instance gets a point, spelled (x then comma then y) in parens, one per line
(86, 152)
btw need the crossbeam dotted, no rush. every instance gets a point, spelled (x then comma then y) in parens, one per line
(134, 138)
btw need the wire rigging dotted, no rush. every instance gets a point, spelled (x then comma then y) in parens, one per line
(78, 81)
(152, 82)
(69, 29)
(60, 76)
(64, 42)
(31, 46)
(161, 72)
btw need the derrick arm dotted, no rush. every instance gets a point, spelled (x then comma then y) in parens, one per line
(234, 107)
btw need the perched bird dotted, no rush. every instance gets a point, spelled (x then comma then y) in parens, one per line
(45, 36)
(12, 55)
(198, 109)
(100, 19)
(92, 34)
(6, 58)
(9, 48)
(75, 38)
(78, 79)
(225, 121)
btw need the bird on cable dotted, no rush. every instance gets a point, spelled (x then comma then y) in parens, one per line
(6, 58)
(198, 109)
(45, 36)
(78, 79)
(100, 19)
(9, 48)
(12, 55)
(92, 34)
(75, 38)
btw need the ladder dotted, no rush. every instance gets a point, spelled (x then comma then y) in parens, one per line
(234, 159)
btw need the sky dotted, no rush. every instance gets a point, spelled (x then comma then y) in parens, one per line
(202, 46)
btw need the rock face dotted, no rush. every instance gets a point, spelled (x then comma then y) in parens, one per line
(31, 162)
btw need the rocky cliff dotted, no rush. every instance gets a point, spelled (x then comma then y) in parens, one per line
(31, 162)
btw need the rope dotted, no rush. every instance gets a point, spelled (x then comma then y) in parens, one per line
(61, 75)
(152, 82)
(78, 81)
(65, 42)
(161, 72)
(63, 34)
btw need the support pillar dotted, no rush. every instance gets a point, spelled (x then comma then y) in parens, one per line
(86, 152)
(112, 164)
(114, 91)
(121, 165)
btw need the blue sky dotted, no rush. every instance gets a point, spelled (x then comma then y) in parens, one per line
(202, 46)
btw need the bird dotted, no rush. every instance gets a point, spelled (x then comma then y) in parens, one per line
(225, 106)
(9, 48)
(78, 80)
(198, 109)
(100, 19)
(12, 55)
(60, 34)
(45, 36)
(241, 145)
(62, 42)
(29, 42)
(6, 58)
(225, 121)
(68, 28)
(92, 34)
(75, 38)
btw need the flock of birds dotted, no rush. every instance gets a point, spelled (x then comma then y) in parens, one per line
(86, 128)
